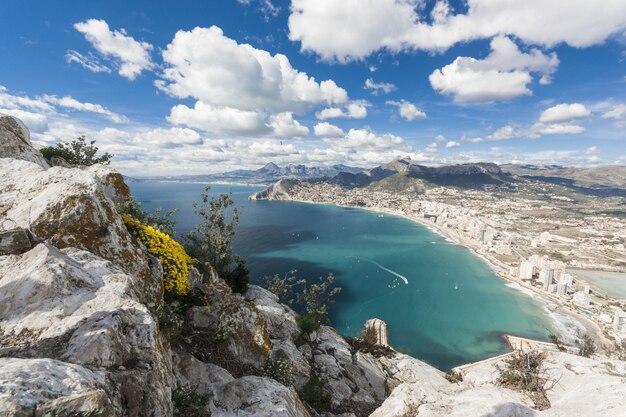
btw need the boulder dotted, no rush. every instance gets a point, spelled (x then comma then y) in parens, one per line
(192, 372)
(26, 384)
(236, 331)
(15, 141)
(285, 350)
(280, 319)
(253, 396)
(355, 381)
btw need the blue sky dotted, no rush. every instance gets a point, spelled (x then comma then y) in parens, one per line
(214, 85)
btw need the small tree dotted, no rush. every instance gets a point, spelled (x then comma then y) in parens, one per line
(313, 300)
(211, 240)
(77, 153)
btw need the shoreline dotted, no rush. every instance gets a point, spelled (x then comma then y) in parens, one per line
(495, 265)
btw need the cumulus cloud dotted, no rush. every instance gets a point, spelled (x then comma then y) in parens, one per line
(503, 75)
(168, 138)
(132, 56)
(351, 111)
(328, 130)
(407, 110)
(378, 88)
(216, 70)
(452, 144)
(219, 119)
(564, 113)
(285, 126)
(361, 27)
(89, 61)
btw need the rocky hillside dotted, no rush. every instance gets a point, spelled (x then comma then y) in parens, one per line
(84, 329)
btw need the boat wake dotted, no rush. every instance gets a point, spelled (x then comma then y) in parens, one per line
(402, 277)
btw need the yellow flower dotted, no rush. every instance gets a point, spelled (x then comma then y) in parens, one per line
(174, 260)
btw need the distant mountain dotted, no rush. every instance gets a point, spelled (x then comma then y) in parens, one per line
(267, 174)
(597, 181)
(472, 175)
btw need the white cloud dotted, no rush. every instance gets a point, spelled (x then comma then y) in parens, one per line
(557, 129)
(440, 138)
(221, 120)
(431, 147)
(89, 61)
(564, 113)
(168, 138)
(214, 69)
(618, 114)
(35, 112)
(71, 103)
(361, 27)
(507, 132)
(592, 149)
(408, 111)
(472, 139)
(378, 88)
(452, 144)
(354, 110)
(285, 126)
(328, 130)
(133, 55)
(503, 75)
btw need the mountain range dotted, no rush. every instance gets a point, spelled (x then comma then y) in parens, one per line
(267, 174)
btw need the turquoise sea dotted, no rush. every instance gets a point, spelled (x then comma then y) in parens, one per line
(453, 310)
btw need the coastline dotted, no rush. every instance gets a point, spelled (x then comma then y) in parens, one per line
(561, 315)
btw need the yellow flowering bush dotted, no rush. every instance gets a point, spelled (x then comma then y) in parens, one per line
(174, 259)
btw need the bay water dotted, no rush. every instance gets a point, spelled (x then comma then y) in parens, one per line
(442, 304)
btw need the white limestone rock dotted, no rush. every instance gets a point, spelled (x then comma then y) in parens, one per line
(26, 383)
(239, 324)
(70, 208)
(15, 141)
(286, 350)
(281, 320)
(192, 372)
(253, 396)
(356, 382)
(585, 387)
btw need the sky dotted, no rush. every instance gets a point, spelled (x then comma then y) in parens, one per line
(208, 86)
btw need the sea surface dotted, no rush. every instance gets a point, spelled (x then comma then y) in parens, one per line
(442, 304)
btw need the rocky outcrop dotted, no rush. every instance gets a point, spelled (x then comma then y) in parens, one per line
(74, 291)
(378, 328)
(15, 141)
(582, 386)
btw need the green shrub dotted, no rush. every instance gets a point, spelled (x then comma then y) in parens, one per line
(586, 345)
(174, 260)
(279, 370)
(315, 395)
(188, 402)
(76, 153)
(314, 299)
(307, 323)
(525, 373)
